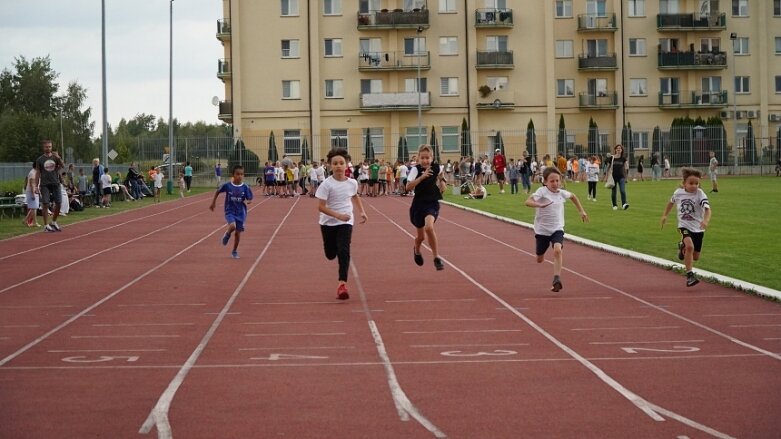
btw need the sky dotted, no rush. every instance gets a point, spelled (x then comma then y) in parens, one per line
(137, 47)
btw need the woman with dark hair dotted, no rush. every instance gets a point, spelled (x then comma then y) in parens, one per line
(640, 167)
(619, 166)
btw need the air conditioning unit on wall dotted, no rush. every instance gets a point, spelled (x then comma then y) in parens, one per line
(725, 115)
(740, 115)
(775, 117)
(752, 114)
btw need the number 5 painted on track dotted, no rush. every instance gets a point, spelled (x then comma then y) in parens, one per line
(100, 359)
(497, 352)
(675, 349)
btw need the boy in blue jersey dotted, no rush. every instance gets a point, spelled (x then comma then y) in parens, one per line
(237, 195)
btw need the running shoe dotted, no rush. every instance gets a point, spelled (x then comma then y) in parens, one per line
(438, 264)
(55, 226)
(680, 250)
(691, 280)
(235, 254)
(225, 239)
(626, 206)
(557, 286)
(615, 207)
(341, 292)
(418, 257)
(49, 228)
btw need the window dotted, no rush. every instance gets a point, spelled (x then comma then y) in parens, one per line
(289, 7)
(565, 87)
(292, 142)
(668, 44)
(778, 45)
(448, 45)
(711, 45)
(636, 8)
(376, 137)
(669, 6)
(370, 45)
(448, 86)
(333, 88)
(563, 8)
(638, 87)
(333, 47)
(290, 49)
(496, 4)
(711, 90)
(741, 46)
(595, 8)
(740, 8)
(409, 85)
(414, 4)
(564, 49)
(595, 48)
(366, 6)
(339, 139)
(447, 5)
(415, 138)
(597, 87)
(777, 8)
(670, 90)
(332, 7)
(496, 43)
(291, 89)
(640, 139)
(778, 84)
(450, 139)
(497, 82)
(371, 85)
(413, 46)
(742, 85)
(637, 47)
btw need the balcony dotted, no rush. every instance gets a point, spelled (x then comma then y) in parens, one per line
(693, 99)
(600, 101)
(494, 59)
(392, 61)
(226, 111)
(692, 60)
(597, 62)
(493, 18)
(398, 101)
(497, 100)
(690, 22)
(395, 19)
(224, 29)
(594, 23)
(224, 68)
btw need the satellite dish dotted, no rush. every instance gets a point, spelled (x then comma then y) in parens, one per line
(497, 103)
(215, 100)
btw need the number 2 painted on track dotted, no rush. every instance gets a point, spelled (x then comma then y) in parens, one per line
(497, 352)
(100, 359)
(675, 349)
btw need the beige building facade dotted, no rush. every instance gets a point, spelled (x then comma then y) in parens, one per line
(329, 70)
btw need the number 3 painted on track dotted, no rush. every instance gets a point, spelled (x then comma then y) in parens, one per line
(497, 352)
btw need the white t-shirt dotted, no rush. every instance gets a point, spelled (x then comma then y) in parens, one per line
(105, 180)
(363, 173)
(403, 171)
(413, 173)
(338, 196)
(713, 165)
(320, 173)
(313, 175)
(666, 164)
(691, 208)
(592, 171)
(550, 219)
(295, 174)
(159, 180)
(279, 174)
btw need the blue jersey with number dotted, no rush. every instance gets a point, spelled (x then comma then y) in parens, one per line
(235, 196)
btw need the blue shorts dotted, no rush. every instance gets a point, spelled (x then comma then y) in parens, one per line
(420, 210)
(234, 219)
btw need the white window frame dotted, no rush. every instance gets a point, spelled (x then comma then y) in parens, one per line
(377, 137)
(601, 47)
(639, 46)
(742, 46)
(293, 87)
(494, 43)
(638, 87)
(447, 7)
(498, 82)
(292, 8)
(412, 133)
(641, 139)
(565, 6)
(418, 46)
(636, 8)
(367, 6)
(565, 49)
(370, 45)
(336, 48)
(742, 8)
(777, 8)
(448, 86)
(414, 4)
(375, 85)
(291, 142)
(411, 85)
(565, 83)
(708, 44)
(336, 7)
(778, 45)
(339, 138)
(335, 87)
(742, 85)
(669, 6)
(450, 139)
(293, 46)
(448, 46)
(778, 84)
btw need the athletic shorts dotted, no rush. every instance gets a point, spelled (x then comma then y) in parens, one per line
(420, 210)
(233, 219)
(372, 182)
(696, 238)
(31, 200)
(281, 183)
(713, 175)
(500, 176)
(50, 193)
(545, 241)
(269, 182)
(106, 191)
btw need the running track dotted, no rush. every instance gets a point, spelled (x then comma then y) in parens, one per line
(140, 325)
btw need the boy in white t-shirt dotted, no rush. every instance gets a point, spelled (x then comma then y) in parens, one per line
(403, 170)
(592, 175)
(338, 194)
(693, 217)
(105, 183)
(159, 176)
(549, 219)
(313, 182)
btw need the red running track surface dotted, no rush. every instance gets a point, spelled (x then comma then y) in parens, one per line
(140, 324)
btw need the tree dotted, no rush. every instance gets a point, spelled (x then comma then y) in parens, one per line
(531, 140)
(561, 138)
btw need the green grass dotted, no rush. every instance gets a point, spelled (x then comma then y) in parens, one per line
(742, 240)
(10, 227)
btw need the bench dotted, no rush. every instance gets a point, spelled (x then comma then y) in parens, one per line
(9, 208)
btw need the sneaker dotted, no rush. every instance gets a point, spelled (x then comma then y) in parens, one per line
(55, 226)
(49, 228)
(235, 254)
(557, 286)
(225, 239)
(615, 207)
(438, 264)
(594, 200)
(715, 190)
(691, 280)
(341, 292)
(680, 250)
(626, 206)
(501, 191)
(418, 257)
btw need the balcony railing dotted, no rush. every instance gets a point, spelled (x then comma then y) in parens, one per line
(377, 61)
(493, 18)
(395, 19)
(691, 22)
(224, 29)
(226, 111)
(395, 101)
(600, 101)
(494, 59)
(597, 62)
(692, 60)
(693, 99)
(497, 100)
(594, 23)
(223, 68)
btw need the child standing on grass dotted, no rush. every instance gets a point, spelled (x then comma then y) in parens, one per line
(182, 185)
(549, 219)
(158, 177)
(105, 183)
(237, 196)
(592, 175)
(693, 217)
(338, 194)
(427, 181)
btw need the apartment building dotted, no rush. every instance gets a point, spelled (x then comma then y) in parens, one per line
(329, 70)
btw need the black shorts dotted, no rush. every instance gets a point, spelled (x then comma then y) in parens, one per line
(695, 236)
(500, 176)
(420, 210)
(545, 241)
(281, 183)
(372, 182)
(50, 193)
(106, 191)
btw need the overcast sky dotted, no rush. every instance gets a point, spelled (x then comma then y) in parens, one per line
(136, 52)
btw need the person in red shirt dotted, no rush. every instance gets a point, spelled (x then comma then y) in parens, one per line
(499, 164)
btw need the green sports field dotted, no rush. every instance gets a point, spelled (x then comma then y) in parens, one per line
(743, 240)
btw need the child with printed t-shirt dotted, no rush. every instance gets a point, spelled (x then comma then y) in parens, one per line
(549, 219)
(428, 183)
(592, 175)
(237, 195)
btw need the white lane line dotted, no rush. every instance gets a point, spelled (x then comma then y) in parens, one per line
(693, 296)
(297, 303)
(297, 348)
(447, 320)
(600, 318)
(644, 342)
(142, 305)
(629, 328)
(56, 351)
(92, 255)
(5, 338)
(35, 306)
(298, 334)
(682, 437)
(227, 313)
(645, 406)
(293, 323)
(130, 325)
(127, 336)
(758, 325)
(430, 300)
(772, 338)
(20, 326)
(158, 416)
(743, 315)
(462, 331)
(87, 310)
(466, 345)
(569, 298)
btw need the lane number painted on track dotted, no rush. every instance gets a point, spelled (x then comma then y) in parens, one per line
(278, 357)
(100, 359)
(675, 350)
(494, 353)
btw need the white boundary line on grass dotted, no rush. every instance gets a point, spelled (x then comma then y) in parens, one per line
(737, 284)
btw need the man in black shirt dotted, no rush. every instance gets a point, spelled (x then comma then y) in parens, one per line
(47, 183)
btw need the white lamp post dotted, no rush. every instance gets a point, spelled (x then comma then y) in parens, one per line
(417, 87)
(733, 37)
